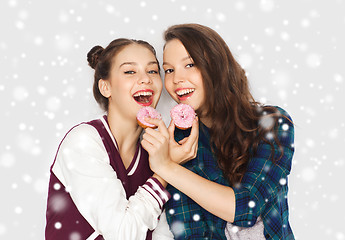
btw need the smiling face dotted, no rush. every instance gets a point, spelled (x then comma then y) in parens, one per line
(183, 80)
(134, 81)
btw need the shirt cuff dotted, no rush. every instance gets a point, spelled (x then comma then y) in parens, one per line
(246, 208)
(156, 189)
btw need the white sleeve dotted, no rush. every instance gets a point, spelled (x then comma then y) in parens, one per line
(82, 165)
(162, 231)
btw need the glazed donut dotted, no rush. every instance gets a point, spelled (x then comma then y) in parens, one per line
(182, 115)
(147, 112)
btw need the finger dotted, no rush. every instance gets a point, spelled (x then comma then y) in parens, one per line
(171, 130)
(156, 135)
(194, 134)
(146, 145)
(183, 141)
(195, 148)
(151, 139)
(160, 124)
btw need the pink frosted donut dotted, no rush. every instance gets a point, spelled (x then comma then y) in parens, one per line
(182, 115)
(147, 112)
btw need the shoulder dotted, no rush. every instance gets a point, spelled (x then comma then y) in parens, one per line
(285, 123)
(81, 148)
(278, 129)
(283, 113)
(277, 110)
(81, 133)
(82, 138)
(278, 116)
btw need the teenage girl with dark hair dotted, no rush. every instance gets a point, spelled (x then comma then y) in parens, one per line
(237, 179)
(101, 186)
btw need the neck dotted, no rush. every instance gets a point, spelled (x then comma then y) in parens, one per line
(206, 121)
(126, 131)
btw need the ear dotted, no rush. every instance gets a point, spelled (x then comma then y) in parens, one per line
(104, 88)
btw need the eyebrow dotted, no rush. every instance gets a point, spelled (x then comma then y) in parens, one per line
(183, 59)
(134, 63)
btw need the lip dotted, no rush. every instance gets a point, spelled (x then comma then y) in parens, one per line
(150, 98)
(184, 97)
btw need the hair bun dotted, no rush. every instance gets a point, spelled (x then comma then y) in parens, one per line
(93, 55)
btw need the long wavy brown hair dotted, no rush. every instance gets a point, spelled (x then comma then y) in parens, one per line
(236, 130)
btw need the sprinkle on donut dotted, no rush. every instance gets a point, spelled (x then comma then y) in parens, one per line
(147, 112)
(182, 115)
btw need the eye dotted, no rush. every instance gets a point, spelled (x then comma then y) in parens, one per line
(190, 65)
(129, 72)
(167, 71)
(153, 72)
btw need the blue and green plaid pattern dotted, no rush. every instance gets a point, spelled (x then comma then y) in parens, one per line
(186, 218)
(262, 192)
(263, 189)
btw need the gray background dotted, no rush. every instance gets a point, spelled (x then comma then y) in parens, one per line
(292, 50)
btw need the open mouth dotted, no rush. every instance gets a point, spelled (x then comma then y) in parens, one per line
(185, 93)
(144, 97)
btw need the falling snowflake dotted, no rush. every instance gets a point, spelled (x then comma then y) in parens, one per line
(75, 236)
(176, 196)
(251, 204)
(177, 228)
(58, 225)
(196, 217)
(282, 181)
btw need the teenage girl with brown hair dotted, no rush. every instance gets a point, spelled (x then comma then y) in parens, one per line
(235, 184)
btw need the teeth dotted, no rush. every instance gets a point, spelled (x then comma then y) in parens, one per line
(138, 94)
(184, 91)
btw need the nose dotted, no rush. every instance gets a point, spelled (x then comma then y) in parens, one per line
(178, 77)
(144, 79)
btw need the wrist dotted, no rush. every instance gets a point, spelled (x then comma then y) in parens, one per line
(164, 168)
(161, 180)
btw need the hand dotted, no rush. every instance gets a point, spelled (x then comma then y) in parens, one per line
(187, 148)
(156, 143)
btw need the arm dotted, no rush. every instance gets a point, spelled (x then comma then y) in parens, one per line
(217, 197)
(214, 197)
(265, 183)
(162, 231)
(82, 164)
(243, 204)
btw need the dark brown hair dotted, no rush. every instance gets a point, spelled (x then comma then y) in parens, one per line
(235, 132)
(101, 60)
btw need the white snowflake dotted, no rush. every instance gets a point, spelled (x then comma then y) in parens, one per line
(58, 225)
(251, 204)
(338, 78)
(308, 174)
(246, 60)
(285, 126)
(75, 236)
(221, 17)
(3, 229)
(176, 196)
(196, 217)
(177, 228)
(313, 60)
(20, 93)
(7, 160)
(18, 210)
(267, 5)
(282, 181)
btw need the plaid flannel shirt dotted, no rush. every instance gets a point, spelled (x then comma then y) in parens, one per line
(262, 192)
